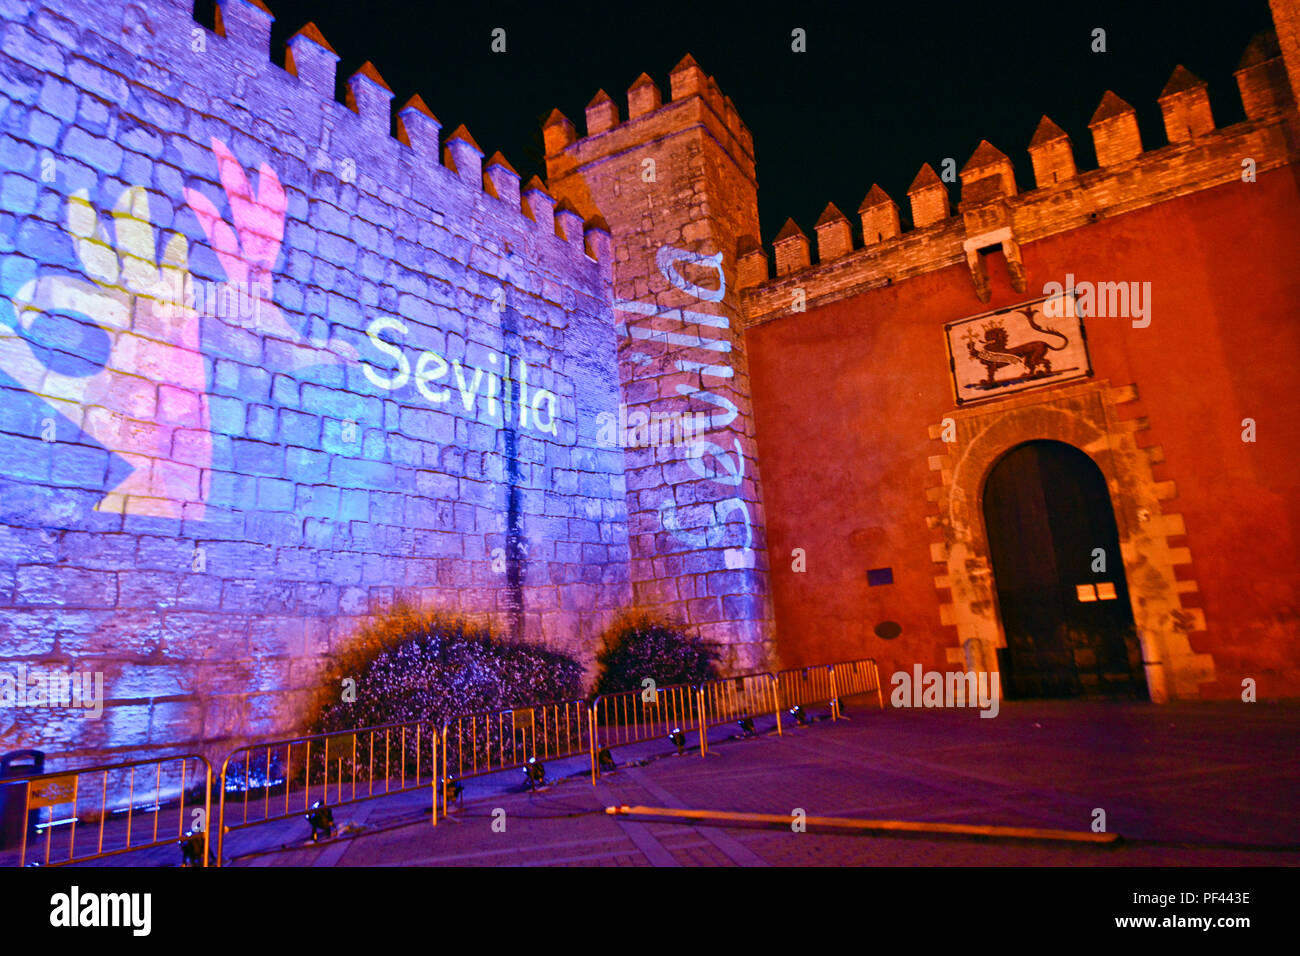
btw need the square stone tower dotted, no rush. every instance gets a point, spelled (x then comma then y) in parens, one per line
(675, 183)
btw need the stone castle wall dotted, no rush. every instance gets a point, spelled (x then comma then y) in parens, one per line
(267, 368)
(676, 184)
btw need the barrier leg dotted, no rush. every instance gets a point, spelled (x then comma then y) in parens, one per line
(27, 811)
(221, 819)
(446, 769)
(207, 816)
(704, 725)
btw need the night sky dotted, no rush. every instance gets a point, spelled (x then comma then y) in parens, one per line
(881, 89)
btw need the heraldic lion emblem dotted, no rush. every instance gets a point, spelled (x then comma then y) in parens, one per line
(994, 352)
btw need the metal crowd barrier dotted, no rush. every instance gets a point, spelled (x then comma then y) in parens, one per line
(353, 765)
(109, 802)
(491, 741)
(744, 697)
(343, 768)
(852, 678)
(638, 716)
(805, 687)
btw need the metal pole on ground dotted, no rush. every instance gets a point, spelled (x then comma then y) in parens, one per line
(878, 826)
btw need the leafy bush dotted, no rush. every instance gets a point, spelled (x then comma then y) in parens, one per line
(412, 665)
(638, 646)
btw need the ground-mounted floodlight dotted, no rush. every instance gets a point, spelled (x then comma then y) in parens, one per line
(192, 849)
(679, 740)
(534, 774)
(321, 820)
(799, 716)
(605, 760)
(454, 788)
(746, 725)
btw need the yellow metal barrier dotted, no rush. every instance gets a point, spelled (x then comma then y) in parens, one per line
(805, 686)
(637, 716)
(342, 768)
(358, 765)
(171, 794)
(491, 741)
(733, 699)
(852, 678)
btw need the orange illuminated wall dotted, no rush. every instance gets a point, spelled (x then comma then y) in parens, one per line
(845, 395)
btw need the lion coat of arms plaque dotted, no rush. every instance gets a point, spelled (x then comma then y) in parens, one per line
(1016, 348)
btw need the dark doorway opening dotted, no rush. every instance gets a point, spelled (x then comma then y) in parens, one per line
(1059, 576)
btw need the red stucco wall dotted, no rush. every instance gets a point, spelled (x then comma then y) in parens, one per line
(844, 395)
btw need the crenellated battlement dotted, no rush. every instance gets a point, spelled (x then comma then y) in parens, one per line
(695, 99)
(991, 210)
(244, 28)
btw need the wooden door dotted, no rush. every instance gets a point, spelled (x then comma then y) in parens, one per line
(1059, 576)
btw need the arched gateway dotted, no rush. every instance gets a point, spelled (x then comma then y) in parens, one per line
(1061, 588)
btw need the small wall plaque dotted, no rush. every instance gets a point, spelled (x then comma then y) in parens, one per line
(1026, 346)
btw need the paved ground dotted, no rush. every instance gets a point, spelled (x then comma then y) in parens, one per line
(1185, 784)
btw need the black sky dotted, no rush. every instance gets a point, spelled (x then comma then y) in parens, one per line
(881, 89)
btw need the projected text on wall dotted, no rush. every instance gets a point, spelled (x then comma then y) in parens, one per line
(125, 352)
(706, 459)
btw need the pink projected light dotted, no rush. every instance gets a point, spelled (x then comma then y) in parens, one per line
(249, 250)
(149, 405)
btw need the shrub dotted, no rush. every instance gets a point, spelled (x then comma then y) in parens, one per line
(638, 646)
(414, 665)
